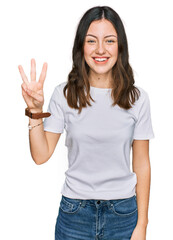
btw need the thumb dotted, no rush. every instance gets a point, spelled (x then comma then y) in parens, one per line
(34, 95)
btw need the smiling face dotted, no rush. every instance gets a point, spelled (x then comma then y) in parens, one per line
(101, 47)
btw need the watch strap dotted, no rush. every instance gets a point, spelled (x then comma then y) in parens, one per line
(36, 115)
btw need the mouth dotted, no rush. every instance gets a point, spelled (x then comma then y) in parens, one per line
(100, 60)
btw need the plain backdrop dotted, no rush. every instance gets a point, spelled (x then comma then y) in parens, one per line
(45, 30)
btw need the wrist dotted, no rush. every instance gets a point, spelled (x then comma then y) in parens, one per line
(35, 110)
(30, 127)
(142, 224)
(36, 113)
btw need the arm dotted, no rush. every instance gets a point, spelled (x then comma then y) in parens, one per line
(141, 166)
(42, 143)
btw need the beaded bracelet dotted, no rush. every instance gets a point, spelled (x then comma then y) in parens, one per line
(31, 127)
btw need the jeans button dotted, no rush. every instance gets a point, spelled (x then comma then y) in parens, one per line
(98, 202)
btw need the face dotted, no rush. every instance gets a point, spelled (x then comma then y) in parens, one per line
(101, 46)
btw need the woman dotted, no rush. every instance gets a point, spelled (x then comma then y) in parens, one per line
(104, 115)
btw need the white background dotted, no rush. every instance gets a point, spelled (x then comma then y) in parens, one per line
(45, 30)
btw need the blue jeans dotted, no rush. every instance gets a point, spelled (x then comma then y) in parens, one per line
(93, 219)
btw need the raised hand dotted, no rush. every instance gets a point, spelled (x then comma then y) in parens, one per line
(32, 91)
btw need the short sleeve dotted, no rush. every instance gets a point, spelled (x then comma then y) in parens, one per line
(55, 123)
(143, 126)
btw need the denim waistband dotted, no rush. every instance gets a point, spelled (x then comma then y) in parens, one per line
(96, 202)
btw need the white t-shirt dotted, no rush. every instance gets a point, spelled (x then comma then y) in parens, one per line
(99, 142)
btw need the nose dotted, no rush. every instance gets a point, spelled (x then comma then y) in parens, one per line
(100, 49)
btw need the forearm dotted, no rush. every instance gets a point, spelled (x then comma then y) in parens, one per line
(38, 143)
(143, 173)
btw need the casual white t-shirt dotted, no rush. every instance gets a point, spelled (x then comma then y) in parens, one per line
(99, 142)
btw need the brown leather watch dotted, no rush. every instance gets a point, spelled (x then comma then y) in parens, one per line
(36, 115)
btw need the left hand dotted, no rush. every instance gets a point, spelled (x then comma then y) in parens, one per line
(139, 233)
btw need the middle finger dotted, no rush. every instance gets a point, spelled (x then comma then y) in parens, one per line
(33, 70)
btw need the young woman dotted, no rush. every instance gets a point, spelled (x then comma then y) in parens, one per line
(104, 116)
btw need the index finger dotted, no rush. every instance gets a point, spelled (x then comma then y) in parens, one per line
(24, 77)
(43, 73)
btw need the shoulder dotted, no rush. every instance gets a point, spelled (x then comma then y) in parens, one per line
(143, 96)
(142, 104)
(60, 86)
(58, 95)
(58, 90)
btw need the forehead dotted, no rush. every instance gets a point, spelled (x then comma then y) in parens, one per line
(101, 27)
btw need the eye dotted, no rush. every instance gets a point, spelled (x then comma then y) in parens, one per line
(111, 41)
(90, 41)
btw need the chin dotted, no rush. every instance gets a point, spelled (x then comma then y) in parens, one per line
(101, 71)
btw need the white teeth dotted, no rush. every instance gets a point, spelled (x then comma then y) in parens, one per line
(100, 59)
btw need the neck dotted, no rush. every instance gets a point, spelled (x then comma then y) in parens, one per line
(100, 80)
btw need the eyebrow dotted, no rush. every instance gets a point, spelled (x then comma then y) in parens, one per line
(104, 37)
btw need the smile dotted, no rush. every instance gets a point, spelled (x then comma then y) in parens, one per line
(100, 60)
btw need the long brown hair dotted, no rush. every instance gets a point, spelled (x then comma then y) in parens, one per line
(124, 93)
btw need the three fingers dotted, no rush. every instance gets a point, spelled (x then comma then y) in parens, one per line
(33, 73)
(26, 91)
